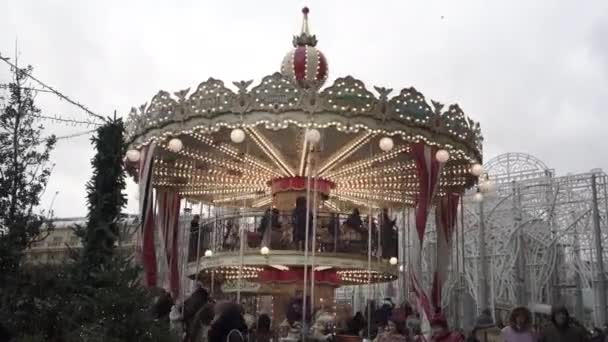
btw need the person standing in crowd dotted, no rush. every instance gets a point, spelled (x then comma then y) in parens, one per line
(472, 336)
(440, 331)
(298, 220)
(199, 329)
(519, 329)
(597, 335)
(389, 235)
(354, 221)
(161, 307)
(562, 329)
(230, 326)
(394, 331)
(193, 304)
(262, 331)
(194, 239)
(356, 324)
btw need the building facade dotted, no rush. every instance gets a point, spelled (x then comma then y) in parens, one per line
(55, 244)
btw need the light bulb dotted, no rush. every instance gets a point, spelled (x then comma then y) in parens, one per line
(237, 135)
(400, 268)
(393, 261)
(478, 197)
(386, 144)
(133, 155)
(442, 156)
(491, 186)
(175, 145)
(264, 250)
(208, 253)
(313, 136)
(476, 170)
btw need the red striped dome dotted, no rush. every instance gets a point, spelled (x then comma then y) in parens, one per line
(305, 65)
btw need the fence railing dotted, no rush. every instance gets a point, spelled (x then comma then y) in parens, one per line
(335, 233)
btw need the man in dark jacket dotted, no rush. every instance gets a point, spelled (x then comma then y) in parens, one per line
(193, 304)
(562, 329)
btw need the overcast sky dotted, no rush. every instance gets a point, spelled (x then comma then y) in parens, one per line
(534, 73)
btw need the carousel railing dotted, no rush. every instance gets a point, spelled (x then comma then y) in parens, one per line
(335, 233)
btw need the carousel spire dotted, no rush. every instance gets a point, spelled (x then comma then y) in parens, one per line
(305, 65)
(305, 29)
(305, 38)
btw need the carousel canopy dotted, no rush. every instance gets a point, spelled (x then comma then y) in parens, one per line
(230, 146)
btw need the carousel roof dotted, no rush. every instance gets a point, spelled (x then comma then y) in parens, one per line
(198, 136)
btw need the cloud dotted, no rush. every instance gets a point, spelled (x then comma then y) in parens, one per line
(534, 73)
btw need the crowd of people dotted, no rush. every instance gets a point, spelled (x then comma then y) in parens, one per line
(201, 319)
(561, 327)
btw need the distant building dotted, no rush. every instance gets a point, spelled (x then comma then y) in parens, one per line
(55, 246)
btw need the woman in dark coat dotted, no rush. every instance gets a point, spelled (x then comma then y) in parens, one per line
(389, 235)
(562, 328)
(298, 219)
(354, 221)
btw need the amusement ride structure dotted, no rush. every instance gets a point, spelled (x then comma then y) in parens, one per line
(537, 240)
(301, 185)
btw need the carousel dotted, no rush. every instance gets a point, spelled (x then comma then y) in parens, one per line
(298, 182)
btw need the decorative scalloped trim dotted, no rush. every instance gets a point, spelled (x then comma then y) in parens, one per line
(450, 129)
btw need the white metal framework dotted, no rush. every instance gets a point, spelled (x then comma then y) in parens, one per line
(539, 239)
(538, 230)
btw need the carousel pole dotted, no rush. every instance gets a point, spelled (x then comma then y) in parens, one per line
(314, 238)
(307, 221)
(403, 257)
(369, 262)
(482, 300)
(462, 275)
(242, 243)
(187, 218)
(241, 257)
(408, 256)
(213, 247)
(198, 244)
(600, 277)
(456, 302)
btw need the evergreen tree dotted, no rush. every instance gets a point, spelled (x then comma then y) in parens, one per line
(97, 296)
(105, 196)
(24, 172)
(111, 305)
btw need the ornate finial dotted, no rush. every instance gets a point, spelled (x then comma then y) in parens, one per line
(305, 38)
(305, 29)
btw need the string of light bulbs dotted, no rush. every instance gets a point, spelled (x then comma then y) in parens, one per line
(53, 90)
(63, 120)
